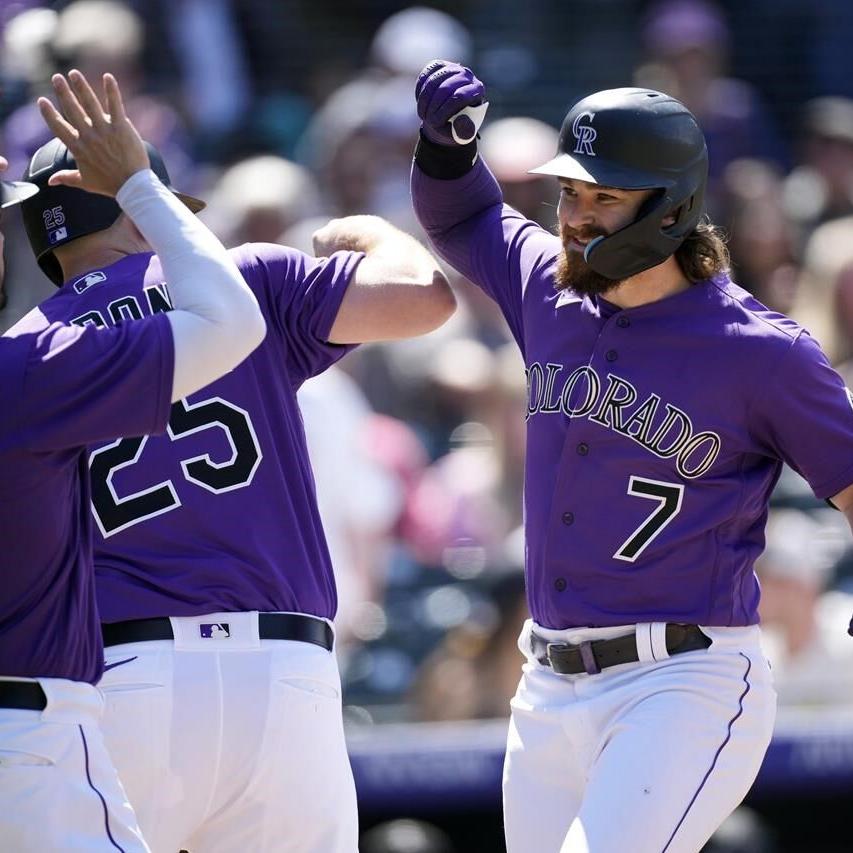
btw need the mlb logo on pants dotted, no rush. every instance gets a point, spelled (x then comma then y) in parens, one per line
(217, 630)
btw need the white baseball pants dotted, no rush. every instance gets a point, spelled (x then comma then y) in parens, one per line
(231, 744)
(649, 757)
(58, 787)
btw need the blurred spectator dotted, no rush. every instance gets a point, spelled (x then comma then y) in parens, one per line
(823, 277)
(473, 674)
(512, 146)
(456, 502)
(687, 45)
(96, 36)
(26, 61)
(242, 70)
(359, 498)
(209, 51)
(257, 200)
(360, 141)
(805, 626)
(405, 836)
(761, 238)
(820, 187)
(407, 40)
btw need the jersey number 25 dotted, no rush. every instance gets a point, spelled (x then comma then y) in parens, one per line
(114, 513)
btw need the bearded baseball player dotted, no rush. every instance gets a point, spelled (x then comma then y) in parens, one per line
(214, 583)
(663, 400)
(64, 386)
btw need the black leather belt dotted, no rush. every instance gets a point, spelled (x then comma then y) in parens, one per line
(593, 656)
(271, 626)
(26, 695)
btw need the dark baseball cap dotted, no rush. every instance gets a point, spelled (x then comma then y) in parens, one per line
(60, 214)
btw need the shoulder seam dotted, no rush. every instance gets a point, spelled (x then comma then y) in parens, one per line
(794, 334)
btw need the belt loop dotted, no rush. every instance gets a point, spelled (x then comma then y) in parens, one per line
(590, 664)
(645, 651)
(658, 638)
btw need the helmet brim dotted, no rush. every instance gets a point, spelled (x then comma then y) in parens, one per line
(194, 204)
(14, 192)
(599, 172)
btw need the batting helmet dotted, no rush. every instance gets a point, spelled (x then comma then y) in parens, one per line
(636, 139)
(60, 214)
(13, 192)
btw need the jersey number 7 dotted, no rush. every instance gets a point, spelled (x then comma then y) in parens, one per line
(668, 496)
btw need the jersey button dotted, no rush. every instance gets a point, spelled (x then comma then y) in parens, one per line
(611, 355)
(583, 449)
(560, 584)
(568, 518)
(623, 322)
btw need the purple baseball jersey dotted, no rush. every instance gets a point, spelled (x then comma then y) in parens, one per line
(63, 387)
(220, 513)
(655, 434)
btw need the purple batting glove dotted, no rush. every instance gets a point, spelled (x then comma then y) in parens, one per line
(443, 89)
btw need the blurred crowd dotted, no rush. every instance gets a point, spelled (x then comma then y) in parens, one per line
(282, 115)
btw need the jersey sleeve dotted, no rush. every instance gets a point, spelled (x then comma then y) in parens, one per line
(487, 241)
(83, 384)
(302, 296)
(804, 416)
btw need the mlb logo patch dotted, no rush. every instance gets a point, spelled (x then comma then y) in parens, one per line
(215, 630)
(57, 234)
(83, 284)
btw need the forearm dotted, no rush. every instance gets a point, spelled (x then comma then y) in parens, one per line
(444, 205)
(216, 322)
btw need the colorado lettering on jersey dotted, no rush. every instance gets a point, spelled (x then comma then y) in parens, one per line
(128, 308)
(664, 430)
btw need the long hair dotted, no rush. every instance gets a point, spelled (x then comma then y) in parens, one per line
(704, 253)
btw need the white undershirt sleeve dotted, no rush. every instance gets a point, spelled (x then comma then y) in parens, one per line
(216, 321)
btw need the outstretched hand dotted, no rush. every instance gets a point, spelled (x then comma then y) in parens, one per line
(105, 145)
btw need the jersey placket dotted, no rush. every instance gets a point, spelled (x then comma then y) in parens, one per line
(578, 464)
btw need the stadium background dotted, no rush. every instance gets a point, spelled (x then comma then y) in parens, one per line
(282, 113)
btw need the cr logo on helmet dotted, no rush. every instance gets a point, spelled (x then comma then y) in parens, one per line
(584, 134)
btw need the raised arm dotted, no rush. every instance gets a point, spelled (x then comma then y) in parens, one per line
(216, 322)
(451, 186)
(398, 289)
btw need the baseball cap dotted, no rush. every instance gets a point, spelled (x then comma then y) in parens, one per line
(13, 192)
(60, 214)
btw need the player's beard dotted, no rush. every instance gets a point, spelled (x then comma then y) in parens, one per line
(573, 272)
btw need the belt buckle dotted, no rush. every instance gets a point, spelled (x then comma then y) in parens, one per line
(553, 660)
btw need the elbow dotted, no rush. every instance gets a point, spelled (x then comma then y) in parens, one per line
(256, 328)
(442, 301)
(251, 328)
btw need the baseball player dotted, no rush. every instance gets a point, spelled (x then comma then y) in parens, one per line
(223, 703)
(63, 386)
(662, 401)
